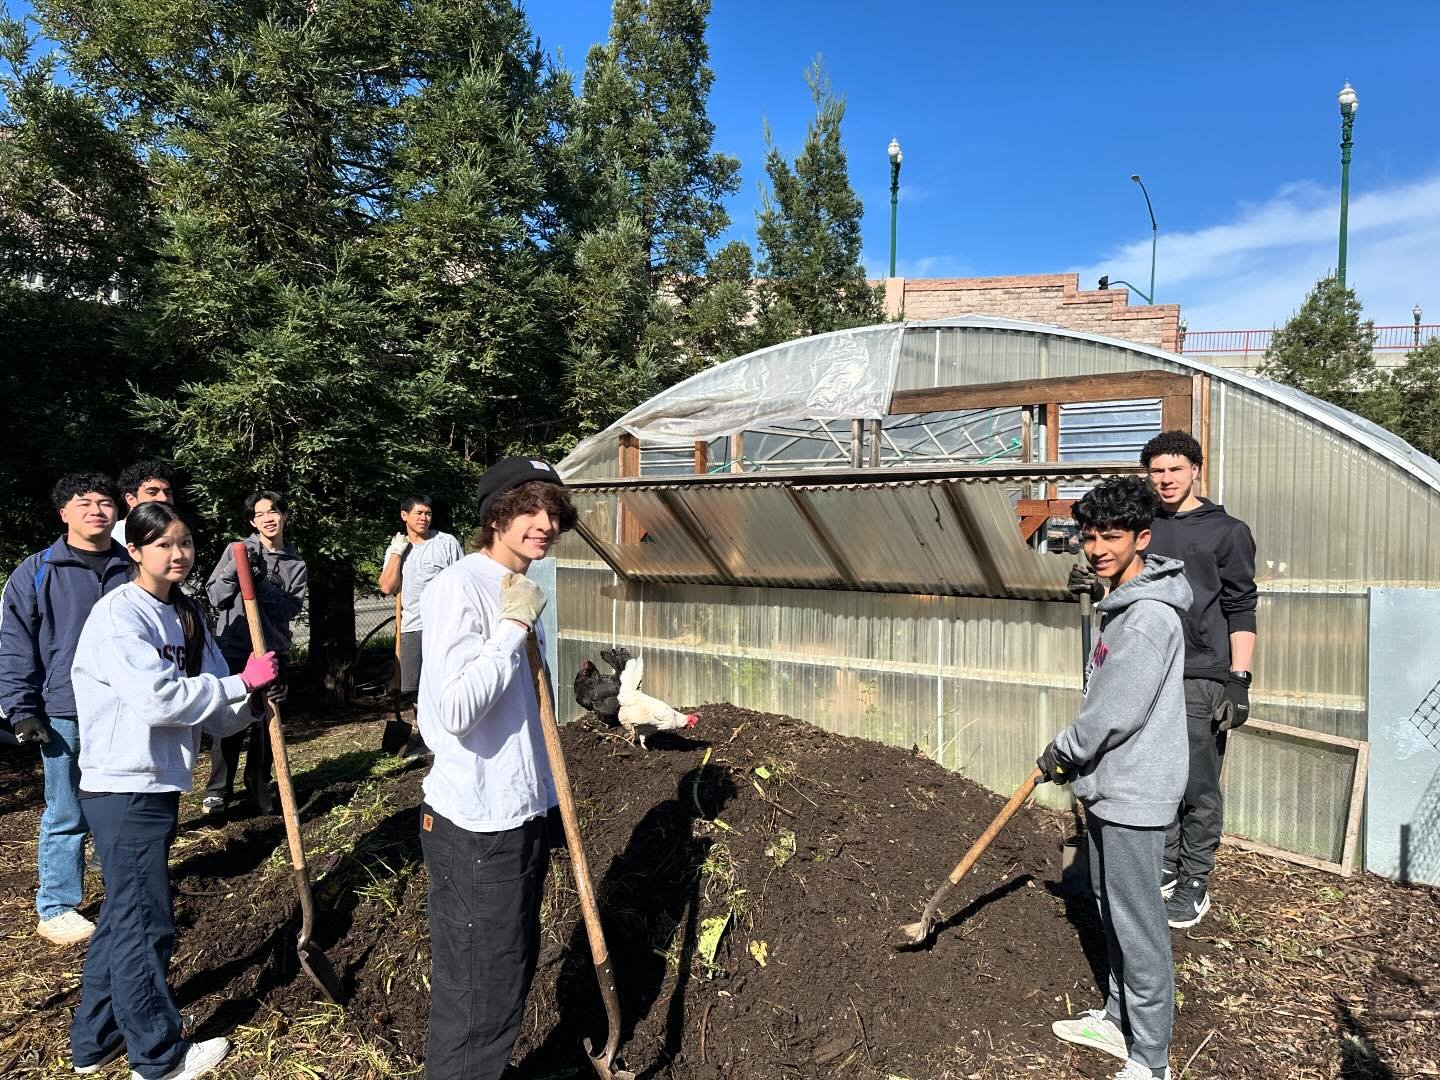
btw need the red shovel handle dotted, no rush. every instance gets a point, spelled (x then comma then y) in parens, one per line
(241, 557)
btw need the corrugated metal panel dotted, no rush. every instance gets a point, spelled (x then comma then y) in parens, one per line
(759, 534)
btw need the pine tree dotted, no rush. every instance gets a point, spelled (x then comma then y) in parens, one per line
(1408, 401)
(355, 257)
(811, 277)
(1325, 349)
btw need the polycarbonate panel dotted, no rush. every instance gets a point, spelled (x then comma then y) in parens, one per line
(667, 550)
(758, 534)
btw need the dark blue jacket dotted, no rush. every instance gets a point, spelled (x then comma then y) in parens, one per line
(44, 608)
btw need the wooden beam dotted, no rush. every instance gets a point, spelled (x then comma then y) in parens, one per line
(1052, 441)
(1122, 386)
(737, 452)
(1203, 434)
(1176, 411)
(629, 465)
(876, 432)
(857, 443)
(702, 457)
(1030, 525)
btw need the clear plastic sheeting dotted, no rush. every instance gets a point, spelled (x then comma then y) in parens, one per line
(830, 377)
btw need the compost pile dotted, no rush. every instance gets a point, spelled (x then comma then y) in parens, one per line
(752, 872)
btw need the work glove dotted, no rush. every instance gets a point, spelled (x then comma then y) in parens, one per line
(1055, 766)
(258, 570)
(1234, 707)
(1083, 579)
(521, 600)
(260, 671)
(276, 692)
(30, 729)
(399, 544)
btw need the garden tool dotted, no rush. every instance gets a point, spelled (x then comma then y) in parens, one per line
(915, 934)
(604, 973)
(397, 728)
(312, 960)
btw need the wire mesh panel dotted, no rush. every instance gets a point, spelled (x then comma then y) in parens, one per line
(1426, 716)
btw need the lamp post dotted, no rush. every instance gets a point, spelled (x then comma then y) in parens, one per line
(1184, 329)
(1415, 311)
(1107, 281)
(895, 158)
(1349, 105)
(1154, 233)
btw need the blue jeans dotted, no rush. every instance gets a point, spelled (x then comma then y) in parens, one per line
(123, 992)
(62, 825)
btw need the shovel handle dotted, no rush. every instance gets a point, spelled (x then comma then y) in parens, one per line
(1006, 813)
(272, 711)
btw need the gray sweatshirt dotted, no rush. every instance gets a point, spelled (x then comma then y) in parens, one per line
(1129, 744)
(280, 596)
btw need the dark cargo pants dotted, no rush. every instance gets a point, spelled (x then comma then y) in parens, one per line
(1191, 839)
(484, 901)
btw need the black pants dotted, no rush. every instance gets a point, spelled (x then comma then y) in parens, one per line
(484, 901)
(1193, 836)
(225, 755)
(123, 992)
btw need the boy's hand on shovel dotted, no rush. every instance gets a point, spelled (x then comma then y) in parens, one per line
(1053, 764)
(521, 600)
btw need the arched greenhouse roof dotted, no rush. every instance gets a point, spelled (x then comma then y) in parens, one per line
(854, 373)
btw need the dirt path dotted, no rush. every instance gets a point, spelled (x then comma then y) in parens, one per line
(751, 873)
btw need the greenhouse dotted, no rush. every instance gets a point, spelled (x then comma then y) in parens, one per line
(869, 530)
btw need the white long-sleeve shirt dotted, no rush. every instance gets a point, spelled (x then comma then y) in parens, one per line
(140, 715)
(477, 708)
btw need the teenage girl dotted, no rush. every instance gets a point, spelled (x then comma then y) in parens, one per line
(148, 679)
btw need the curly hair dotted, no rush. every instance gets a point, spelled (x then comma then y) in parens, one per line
(526, 499)
(82, 483)
(1180, 443)
(1122, 502)
(137, 474)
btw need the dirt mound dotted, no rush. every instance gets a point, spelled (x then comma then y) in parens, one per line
(751, 873)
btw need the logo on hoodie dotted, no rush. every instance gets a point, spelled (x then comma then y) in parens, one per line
(174, 653)
(1101, 652)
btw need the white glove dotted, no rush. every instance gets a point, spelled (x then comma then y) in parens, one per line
(397, 546)
(521, 600)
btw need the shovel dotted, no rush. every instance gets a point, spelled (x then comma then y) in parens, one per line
(312, 960)
(397, 728)
(915, 934)
(604, 1061)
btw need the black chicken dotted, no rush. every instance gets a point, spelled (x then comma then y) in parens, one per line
(601, 693)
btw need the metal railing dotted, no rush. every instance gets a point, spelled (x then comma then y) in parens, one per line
(1245, 342)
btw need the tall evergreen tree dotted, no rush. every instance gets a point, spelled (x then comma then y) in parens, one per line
(808, 228)
(1408, 399)
(648, 178)
(353, 260)
(1326, 349)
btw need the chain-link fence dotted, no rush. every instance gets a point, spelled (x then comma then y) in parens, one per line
(1426, 716)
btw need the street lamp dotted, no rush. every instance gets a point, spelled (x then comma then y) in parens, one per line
(1415, 311)
(1154, 233)
(893, 150)
(1184, 329)
(1107, 281)
(1349, 105)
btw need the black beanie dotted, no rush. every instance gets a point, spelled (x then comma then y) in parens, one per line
(507, 474)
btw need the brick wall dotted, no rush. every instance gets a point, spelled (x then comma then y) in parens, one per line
(1056, 299)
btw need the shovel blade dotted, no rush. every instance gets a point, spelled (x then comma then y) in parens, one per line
(912, 935)
(602, 1066)
(317, 968)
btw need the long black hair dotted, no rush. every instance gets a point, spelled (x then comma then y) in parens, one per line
(144, 525)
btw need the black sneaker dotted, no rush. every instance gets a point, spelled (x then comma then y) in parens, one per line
(1188, 903)
(1168, 877)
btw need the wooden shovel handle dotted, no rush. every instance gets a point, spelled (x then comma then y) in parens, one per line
(1006, 813)
(272, 711)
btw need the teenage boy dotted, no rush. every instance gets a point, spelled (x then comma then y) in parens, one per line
(43, 610)
(1219, 555)
(280, 580)
(415, 555)
(1125, 753)
(483, 822)
(145, 481)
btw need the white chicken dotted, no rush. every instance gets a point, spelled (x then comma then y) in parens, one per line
(641, 715)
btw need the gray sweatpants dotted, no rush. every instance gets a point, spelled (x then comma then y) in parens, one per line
(1125, 874)
(1193, 836)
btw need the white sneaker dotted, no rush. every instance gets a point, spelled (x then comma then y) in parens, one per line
(67, 928)
(1133, 1070)
(199, 1059)
(118, 1050)
(1093, 1028)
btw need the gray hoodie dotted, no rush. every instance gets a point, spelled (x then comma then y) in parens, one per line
(280, 595)
(1129, 744)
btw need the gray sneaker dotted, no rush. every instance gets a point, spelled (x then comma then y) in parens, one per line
(1133, 1070)
(116, 1051)
(1188, 903)
(1095, 1029)
(67, 928)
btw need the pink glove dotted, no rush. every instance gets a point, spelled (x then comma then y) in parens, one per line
(260, 671)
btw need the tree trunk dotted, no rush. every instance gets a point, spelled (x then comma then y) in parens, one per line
(332, 628)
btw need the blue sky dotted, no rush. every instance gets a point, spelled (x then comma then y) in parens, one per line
(1022, 123)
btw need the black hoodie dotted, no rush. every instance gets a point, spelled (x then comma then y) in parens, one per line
(1219, 556)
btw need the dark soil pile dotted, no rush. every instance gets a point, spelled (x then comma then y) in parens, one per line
(752, 873)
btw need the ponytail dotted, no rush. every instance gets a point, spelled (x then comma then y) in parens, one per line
(193, 624)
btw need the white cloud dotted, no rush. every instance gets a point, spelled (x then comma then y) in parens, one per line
(1254, 270)
(926, 266)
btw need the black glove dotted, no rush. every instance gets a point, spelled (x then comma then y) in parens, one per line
(30, 729)
(1055, 766)
(258, 569)
(1083, 579)
(1234, 707)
